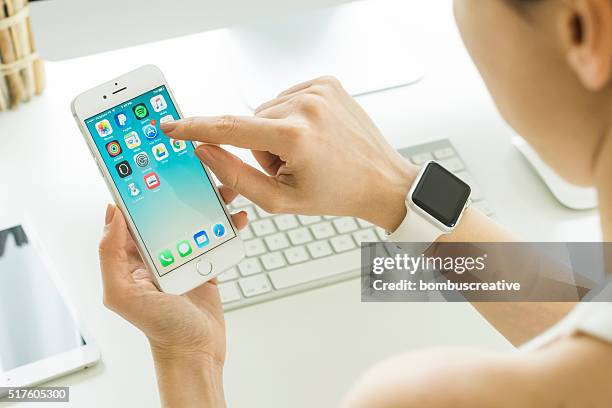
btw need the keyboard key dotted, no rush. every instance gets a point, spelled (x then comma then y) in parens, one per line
(421, 158)
(286, 222)
(329, 217)
(367, 235)
(484, 207)
(342, 243)
(249, 266)
(363, 223)
(272, 261)
(444, 153)
(345, 224)
(476, 191)
(465, 176)
(314, 270)
(262, 213)
(309, 219)
(255, 285)
(229, 292)
(277, 241)
(300, 236)
(263, 227)
(240, 201)
(251, 213)
(381, 234)
(254, 247)
(228, 275)
(452, 165)
(296, 255)
(323, 230)
(319, 249)
(246, 233)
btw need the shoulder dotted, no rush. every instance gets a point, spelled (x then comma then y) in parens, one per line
(464, 378)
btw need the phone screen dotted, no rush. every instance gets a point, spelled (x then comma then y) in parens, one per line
(163, 184)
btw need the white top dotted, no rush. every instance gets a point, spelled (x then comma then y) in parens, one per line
(592, 317)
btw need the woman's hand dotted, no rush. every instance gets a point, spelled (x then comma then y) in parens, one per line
(320, 150)
(186, 333)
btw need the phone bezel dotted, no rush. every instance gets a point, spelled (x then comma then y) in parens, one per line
(92, 102)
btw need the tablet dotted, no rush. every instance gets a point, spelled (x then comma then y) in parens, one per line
(40, 335)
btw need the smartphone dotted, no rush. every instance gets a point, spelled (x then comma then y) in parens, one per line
(173, 209)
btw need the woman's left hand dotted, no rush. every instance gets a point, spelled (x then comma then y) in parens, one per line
(185, 331)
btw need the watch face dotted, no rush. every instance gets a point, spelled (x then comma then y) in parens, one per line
(441, 194)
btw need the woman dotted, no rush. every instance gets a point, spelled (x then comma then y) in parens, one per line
(548, 65)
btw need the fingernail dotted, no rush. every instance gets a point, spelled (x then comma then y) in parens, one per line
(168, 127)
(110, 213)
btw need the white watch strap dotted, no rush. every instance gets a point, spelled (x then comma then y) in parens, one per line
(415, 228)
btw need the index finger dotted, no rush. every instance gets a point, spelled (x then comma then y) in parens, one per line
(240, 131)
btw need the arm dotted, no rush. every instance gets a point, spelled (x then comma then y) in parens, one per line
(322, 154)
(517, 321)
(186, 333)
(187, 382)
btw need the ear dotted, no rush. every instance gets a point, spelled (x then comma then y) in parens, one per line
(586, 29)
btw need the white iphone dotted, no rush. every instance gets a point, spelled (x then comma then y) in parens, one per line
(174, 211)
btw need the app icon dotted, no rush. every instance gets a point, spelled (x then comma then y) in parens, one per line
(201, 239)
(141, 111)
(104, 128)
(183, 248)
(166, 118)
(141, 159)
(150, 131)
(132, 140)
(166, 258)
(151, 180)
(121, 119)
(113, 148)
(178, 145)
(123, 168)
(160, 152)
(218, 230)
(133, 189)
(158, 103)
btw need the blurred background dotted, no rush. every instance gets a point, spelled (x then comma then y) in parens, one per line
(73, 28)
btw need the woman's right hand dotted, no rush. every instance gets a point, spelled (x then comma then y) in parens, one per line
(320, 150)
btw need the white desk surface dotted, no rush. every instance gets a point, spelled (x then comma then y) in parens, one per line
(300, 351)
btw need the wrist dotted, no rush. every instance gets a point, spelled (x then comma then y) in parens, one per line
(189, 379)
(388, 207)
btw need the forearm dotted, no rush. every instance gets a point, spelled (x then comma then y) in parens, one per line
(189, 382)
(518, 322)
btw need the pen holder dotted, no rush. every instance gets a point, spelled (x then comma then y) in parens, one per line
(21, 70)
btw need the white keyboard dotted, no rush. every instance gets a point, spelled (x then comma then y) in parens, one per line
(287, 254)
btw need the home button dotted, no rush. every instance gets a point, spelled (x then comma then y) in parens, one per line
(204, 267)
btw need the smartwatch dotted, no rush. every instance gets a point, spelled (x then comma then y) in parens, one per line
(435, 204)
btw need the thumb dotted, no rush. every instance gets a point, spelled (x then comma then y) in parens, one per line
(232, 172)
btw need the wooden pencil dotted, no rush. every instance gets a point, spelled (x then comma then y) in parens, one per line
(38, 65)
(7, 56)
(27, 72)
(18, 45)
(3, 94)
